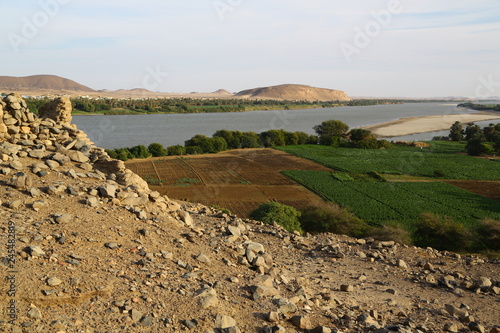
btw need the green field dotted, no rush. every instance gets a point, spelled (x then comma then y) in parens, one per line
(440, 157)
(402, 202)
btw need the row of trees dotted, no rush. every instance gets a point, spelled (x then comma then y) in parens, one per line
(330, 133)
(480, 141)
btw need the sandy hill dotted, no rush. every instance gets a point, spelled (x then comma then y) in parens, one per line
(87, 247)
(294, 92)
(41, 82)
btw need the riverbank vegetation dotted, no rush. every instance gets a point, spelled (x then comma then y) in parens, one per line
(480, 107)
(329, 133)
(478, 141)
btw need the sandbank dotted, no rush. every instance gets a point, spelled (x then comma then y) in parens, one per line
(414, 125)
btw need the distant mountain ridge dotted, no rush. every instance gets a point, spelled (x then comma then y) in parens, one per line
(294, 92)
(49, 82)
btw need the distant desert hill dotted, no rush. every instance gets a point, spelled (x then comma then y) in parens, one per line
(294, 92)
(222, 92)
(41, 82)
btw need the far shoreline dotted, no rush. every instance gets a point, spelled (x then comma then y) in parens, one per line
(426, 124)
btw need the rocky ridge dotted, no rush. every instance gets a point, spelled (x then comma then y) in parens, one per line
(87, 247)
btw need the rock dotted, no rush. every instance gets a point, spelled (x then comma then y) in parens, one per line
(301, 322)
(186, 218)
(58, 110)
(21, 181)
(62, 218)
(459, 313)
(402, 264)
(16, 165)
(147, 321)
(235, 231)
(264, 291)
(273, 317)
(36, 251)
(39, 204)
(483, 283)
(288, 308)
(108, 191)
(15, 204)
(112, 245)
(222, 321)
(321, 329)
(192, 323)
(135, 315)
(209, 302)
(255, 248)
(203, 258)
(54, 282)
(34, 313)
(450, 328)
(77, 156)
(92, 202)
(475, 327)
(347, 288)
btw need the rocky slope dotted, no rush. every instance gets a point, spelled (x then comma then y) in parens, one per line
(294, 92)
(87, 247)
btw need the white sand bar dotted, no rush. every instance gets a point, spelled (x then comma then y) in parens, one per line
(414, 125)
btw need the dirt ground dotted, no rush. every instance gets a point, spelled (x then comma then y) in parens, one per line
(238, 180)
(489, 189)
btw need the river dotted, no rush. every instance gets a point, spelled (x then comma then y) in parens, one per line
(171, 129)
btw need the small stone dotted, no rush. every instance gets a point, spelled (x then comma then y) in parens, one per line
(347, 288)
(62, 218)
(203, 258)
(34, 313)
(450, 328)
(402, 264)
(135, 315)
(36, 251)
(186, 218)
(111, 245)
(54, 282)
(301, 322)
(391, 291)
(222, 321)
(273, 317)
(475, 327)
(483, 283)
(92, 202)
(147, 321)
(190, 323)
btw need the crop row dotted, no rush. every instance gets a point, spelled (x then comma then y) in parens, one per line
(403, 202)
(439, 159)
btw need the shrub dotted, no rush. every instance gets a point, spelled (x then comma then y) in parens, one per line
(334, 220)
(140, 151)
(176, 150)
(157, 150)
(489, 234)
(331, 132)
(442, 233)
(112, 153)
(439, 173)
(392, 232)
(286, 216)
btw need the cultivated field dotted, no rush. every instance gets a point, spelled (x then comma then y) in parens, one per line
(237, 180)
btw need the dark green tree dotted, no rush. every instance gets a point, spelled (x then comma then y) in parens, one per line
(331, 132)
(140, 151)
(176, 150)
(250, 140)
(273, 138)
(157, 150)
(473, 131)
(456, 132)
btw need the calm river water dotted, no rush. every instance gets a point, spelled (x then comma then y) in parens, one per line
(172, 129)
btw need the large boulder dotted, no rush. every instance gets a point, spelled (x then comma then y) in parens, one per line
(58, 110)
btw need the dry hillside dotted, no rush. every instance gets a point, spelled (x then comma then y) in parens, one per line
(41, 82)
(87, 247)
(294, 92)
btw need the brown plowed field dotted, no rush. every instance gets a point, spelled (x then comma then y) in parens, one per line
(238, 180)
(486, 188)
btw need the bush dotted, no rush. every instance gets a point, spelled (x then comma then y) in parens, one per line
(140, 151)
(157, 150)
(112, 153)
(286, 216)
(489, 235)
(392, 232)
(441, 233)
(332, 219)
(176, 150)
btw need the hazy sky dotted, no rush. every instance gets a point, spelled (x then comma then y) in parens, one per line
(414, 48)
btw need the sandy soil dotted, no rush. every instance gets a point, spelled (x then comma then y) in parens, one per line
(414, 125)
